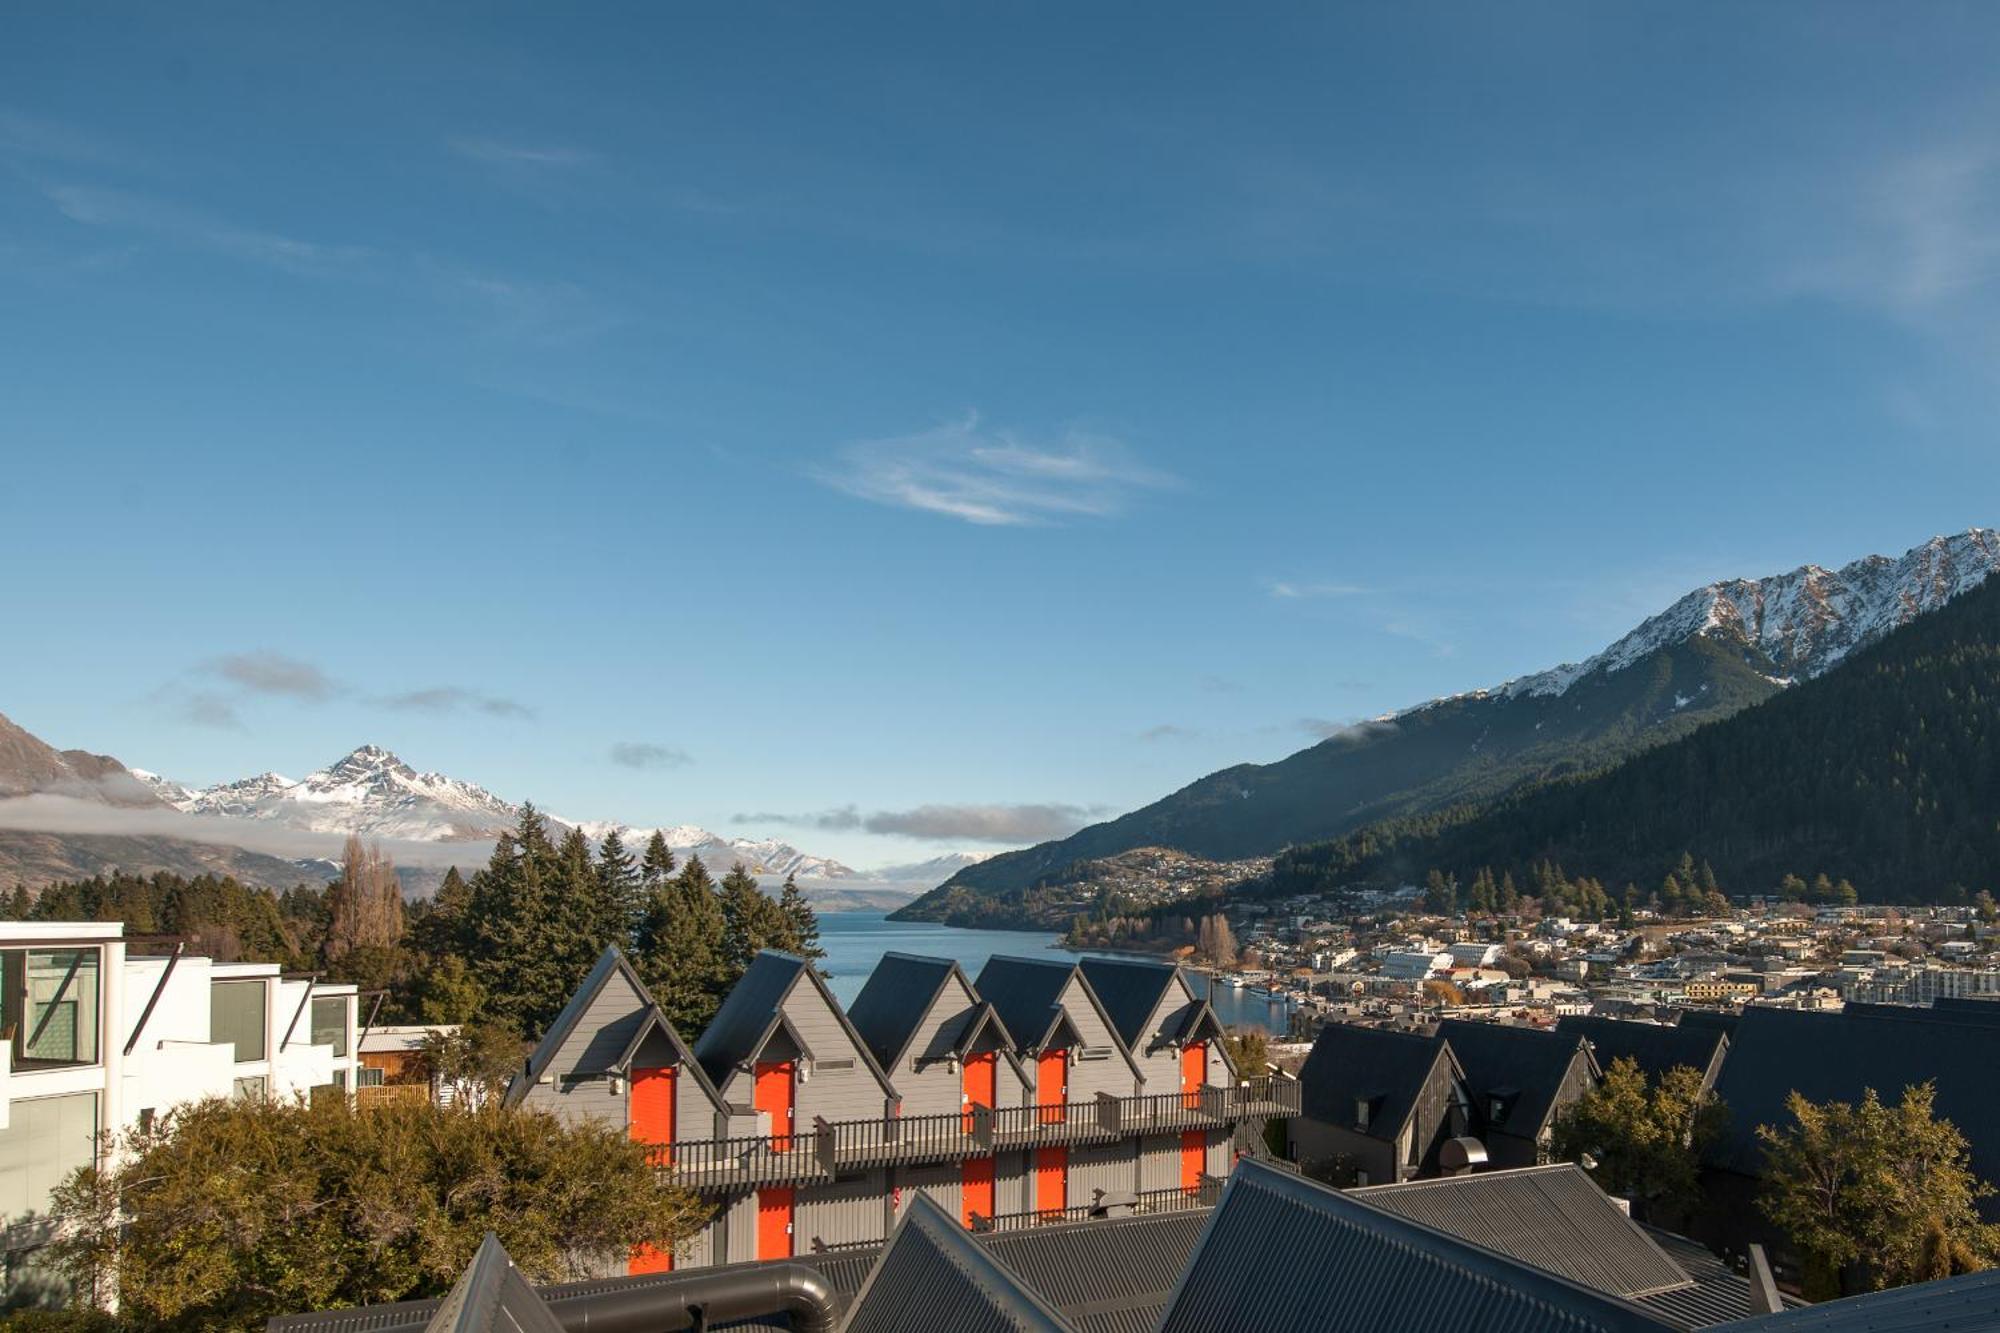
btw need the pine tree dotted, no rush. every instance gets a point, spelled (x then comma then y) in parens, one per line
(520, 958)
(801, 924)
(620, 892)
(751, 921)
(680, 952)
(657, 867)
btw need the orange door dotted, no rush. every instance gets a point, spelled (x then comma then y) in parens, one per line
(1194, 1073)
(1194, 1157)
(774, 1223)
(978, 1083)
(646, 1259)
(774, 1094)
(1051, 1181)
(650, 1111)
(1052, 1085)
(975, 1189)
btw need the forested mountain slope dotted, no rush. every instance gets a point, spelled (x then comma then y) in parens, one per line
(1884, 771)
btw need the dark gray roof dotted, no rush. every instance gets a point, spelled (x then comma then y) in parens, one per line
(1107, 1276)
(1351, 1064)
(755, 1008)
(1026, 993)
(1525, 1065)
(1110, 1276)
(890, 1008)
(1655, 1047)
(612, 1047)
(491, 1296)
(1130, 990)
(1719, 1293)
(1835, 1057)
(933, 1275)
(1968, 1304)
(1281, 1252)
(1553, 1217)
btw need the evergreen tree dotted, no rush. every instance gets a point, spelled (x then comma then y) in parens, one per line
(680, 953)
(801, 923)
(621, 891)
(751, 920)
(516, 924)
(657, 868)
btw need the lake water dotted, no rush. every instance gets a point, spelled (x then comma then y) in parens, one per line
(855, 942)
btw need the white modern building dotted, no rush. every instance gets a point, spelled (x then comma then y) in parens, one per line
(95, 1040)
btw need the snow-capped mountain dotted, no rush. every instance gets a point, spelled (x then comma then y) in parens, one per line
(1713, 652)
(763, 856)
(1795, 626)
(372, 793)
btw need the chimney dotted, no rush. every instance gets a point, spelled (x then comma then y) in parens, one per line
(1763, 1287)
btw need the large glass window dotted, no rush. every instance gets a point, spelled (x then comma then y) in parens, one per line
(46, 1138)
(329, 1020)
(236, 1016)
(51, 1005)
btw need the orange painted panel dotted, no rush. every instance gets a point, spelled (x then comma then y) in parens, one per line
(1194, 1158)
(1051, 1180)
(1194, 1073)
(773, 1093)
(774, 1222)
(1052, 1085)
(980, 1080)
(975, 1189)
(650, 1113)
(646, 1259)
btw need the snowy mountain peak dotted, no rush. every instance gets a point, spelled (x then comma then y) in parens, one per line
(1796, 625)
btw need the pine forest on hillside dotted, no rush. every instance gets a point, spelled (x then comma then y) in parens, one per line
(1883, 772)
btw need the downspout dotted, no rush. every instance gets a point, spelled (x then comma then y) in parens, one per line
(153, 1000)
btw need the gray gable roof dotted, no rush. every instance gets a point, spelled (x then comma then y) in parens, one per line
(932, 1266)
(1130, 990)
(1027, 994)
(611, 1050)
(754, 1010)
(1525, 1065)
(899, 993)
(1388, 1070)
(1282, 1252)
(1965, 1304)
(1835, 1057)
(491, 1296)
(1654, 1047)
(1553, 1217)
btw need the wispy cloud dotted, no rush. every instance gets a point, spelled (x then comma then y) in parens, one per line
(205, 709)
(994, 477)
(648, 755)
(122, 210)
(1213, 684)
(1167, 731)
(272, 673)
(1350, 732)
(452, 699)
(1006, 824)
(525, 309)
(29, 136)
(1287, 590)
(514, 153)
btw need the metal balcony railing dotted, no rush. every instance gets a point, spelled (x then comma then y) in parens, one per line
(831, 1147)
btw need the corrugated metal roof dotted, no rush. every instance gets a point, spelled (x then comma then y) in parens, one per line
(491, 1296)
(1968, 1304)
(1553, 1217)
(1282, 1252)
(933, 1275)
(1719, 1293)
(1110, 1274)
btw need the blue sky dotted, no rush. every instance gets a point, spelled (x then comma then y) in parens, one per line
(946, 420)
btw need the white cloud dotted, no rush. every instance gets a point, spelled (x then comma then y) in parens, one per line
(123, 210)
(994, 478)
(1011, 825)
(516, 154)
(1287, 590)
(647, 754)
